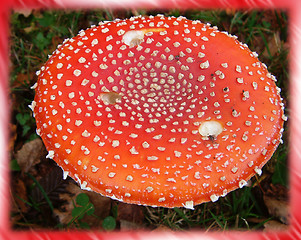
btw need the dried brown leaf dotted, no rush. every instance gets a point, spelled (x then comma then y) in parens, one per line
(26, 11)
(275, 226)
(102, 207)
(29, 155)
(101, 204)
(13, 136)
(21, 79)
(274, 44)
(19, 196)
(128, 226)
(277, 208)
(130, 212)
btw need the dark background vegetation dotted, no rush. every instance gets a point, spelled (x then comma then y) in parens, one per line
(41, 199)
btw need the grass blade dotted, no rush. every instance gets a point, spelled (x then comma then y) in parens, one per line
(42, 191)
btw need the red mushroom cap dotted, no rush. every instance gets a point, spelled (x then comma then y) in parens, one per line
(158, 111)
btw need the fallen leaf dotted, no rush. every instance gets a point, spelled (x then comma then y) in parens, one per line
(19, 196)
(127, 226)
(23, 78)
(162, 228)
(102, 207)
(29, 155)
(277, 208)
(64, 212)
(130, 213)
(52, 183)
(230, 11)
(274, 45)
(276, 201)
(25, 11)
(273, 225)
(101, 204)
(13, 136)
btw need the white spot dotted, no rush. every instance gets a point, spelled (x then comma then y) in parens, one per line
(225, 65)
(86, 134)
(152, 158)
(258, 170)
(129, 178)
(284, 117)
(59, 65)
(157, 136)
(133, 38)
(132, 135)
(240, 80)
(115, 143)
(97, 123)
(68, 83)
(112, 174)
(85, 82)
(71, 95)
(65, 175)
(94, 42)
(197, 175)
(235, 113)
(177, 153)
(94, 169)
(188, 205)
(94, 74)
(50, 154)
(176, 44)
(105, 30)
(225, 192)
(214, 197)
(264, 151)
(77, 72)
(149, 189)
(201, 78)
(204, 65)
(133, 150)
(238, 68)
(54, 112)
(34, 86)
(244, 137)
(210, 128)
(242, 183)
(145, 145)
(84, 186)
(223, 178)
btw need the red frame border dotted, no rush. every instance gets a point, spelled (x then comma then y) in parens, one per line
(294, 9)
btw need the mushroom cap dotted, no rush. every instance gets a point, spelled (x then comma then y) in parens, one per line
(158, 111)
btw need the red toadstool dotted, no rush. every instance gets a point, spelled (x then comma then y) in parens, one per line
(158, 111)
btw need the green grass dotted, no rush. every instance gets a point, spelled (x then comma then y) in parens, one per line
(236, 211)
(35, 36)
